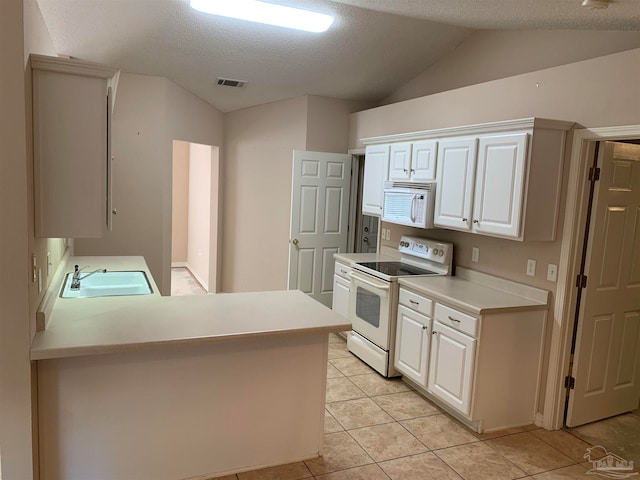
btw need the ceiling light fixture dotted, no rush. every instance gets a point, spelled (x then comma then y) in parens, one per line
(595, 4)
(268, 13)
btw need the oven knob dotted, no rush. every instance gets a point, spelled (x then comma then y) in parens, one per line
(435, 251)
(441, 253)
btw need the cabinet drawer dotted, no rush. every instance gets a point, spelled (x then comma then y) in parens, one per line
(343, 270)
(456, 319)
(416, 302)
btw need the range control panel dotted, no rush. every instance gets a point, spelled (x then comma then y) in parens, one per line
(432, 250)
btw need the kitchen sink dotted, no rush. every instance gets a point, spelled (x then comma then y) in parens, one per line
(107, 284)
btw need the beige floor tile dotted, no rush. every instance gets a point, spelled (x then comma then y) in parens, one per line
(574, 472)
(351, 366)
(338, 350)
(374, 384)
(439, 431)
(361, 412)
(331, 424)
(571, 446)
(530, 453)
(406, 405)
(339, 389)
(292, 471)
(425, 466)
(340, 452)
(368, 472)
(333, 372)
(478, 461)
(388, 441)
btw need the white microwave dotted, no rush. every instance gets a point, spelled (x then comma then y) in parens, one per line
(409, 205)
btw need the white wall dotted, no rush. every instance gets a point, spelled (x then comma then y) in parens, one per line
(491, 54)
(199, 214)
(258, 151)
(150, 113)
(180, 202)
(15, 384)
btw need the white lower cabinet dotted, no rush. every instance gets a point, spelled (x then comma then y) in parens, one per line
(451, 367)
(412, 344)
(341, 289)
(484, 368)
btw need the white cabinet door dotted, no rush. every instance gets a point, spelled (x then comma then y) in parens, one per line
(376, 165)
(400, 161)
(423, 161)
(340, 296)
(412, 344)
(499, 185)
(451, 367)
(456, 173)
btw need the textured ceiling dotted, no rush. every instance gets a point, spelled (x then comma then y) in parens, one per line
(374, 47)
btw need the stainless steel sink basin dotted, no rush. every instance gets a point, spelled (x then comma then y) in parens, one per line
(107, 284)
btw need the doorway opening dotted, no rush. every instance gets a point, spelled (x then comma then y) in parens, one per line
(194, 219)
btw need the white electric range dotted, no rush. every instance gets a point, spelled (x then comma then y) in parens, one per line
(373, 298)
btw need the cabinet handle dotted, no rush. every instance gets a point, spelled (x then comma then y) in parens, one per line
(413, 302)
(465, 220)
(476, 221)
(343, 271)
(453, 319)
(433, 332)
(424, 327)
(413, 170)
(405, 170)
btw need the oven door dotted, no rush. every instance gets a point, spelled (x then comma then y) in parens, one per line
(369, 308)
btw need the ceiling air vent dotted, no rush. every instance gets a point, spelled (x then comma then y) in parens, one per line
(230, 82)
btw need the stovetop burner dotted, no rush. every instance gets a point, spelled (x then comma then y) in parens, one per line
(396, 269)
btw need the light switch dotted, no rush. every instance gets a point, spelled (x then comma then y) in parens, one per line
(552, 272)
(475, 254)
(531, 267)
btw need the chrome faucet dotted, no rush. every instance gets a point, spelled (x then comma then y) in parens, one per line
(75, 282)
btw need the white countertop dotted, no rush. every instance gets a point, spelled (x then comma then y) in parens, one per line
(88, 326)
(479, 293)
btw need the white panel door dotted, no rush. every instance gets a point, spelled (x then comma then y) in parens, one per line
(399, 161)
(423, 161)
(607, 356)
(451, 367)
(499, 184)
(376, 166)
(413, 337)
(456, 173)
(319, 220)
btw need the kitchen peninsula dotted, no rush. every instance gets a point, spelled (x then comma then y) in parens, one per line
(179, 387)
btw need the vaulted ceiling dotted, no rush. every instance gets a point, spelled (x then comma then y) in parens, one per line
(374, 46)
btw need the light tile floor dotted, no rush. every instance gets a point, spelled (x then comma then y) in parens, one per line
(376, 428)
(184, 283)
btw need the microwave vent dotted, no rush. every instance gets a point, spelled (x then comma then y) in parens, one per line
(413, 185)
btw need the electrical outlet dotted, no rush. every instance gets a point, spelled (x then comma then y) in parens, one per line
(39, 280)
(475, 254)
(388, 234)
(49, 264)
(531, 267)
(552, 272)
(34, 269)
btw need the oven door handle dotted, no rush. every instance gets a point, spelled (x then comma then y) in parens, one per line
(366, 279)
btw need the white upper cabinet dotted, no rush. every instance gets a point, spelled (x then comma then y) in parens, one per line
(376, 167)
(499, 184)
(456, 174)
(71, 122)
(400, 161)
(413, 162)
(501, 179)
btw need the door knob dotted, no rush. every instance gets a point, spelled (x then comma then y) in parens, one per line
(114, 211)
(365, 239)
(295, 241)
